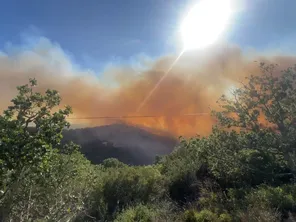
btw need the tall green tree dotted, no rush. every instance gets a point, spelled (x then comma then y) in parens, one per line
(30, 134)
(265, 107)
(269, 97)
(29, 127)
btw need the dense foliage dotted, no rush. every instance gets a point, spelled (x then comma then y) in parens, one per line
(243, 171)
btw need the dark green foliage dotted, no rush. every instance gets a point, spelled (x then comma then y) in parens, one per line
(139, 213)
(281, 198)
(131, 185)
(56, 194)
(113, 163)
(119, 188)
(40, 179)
(148, 213)
(19, 147)
(205, 216)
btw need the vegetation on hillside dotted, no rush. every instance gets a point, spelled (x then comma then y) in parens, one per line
(130, 144)
(243, 171)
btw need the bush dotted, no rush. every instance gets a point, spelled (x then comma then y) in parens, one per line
(56, 194)
(139, 213)
(205, 216)
(225, 218)
(113, 163)
(120, 188)
(163, 211)
(131, 185)
(259, 214)
(281, 198)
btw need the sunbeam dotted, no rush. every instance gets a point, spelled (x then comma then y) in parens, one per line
(158, 83)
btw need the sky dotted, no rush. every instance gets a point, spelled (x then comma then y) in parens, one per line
(96, 46)
(96, 33)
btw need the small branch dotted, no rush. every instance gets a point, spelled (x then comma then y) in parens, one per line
(29, 203)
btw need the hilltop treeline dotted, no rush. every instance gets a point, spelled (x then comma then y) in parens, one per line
(243, 171)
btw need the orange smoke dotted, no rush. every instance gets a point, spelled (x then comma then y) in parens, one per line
(192, 86)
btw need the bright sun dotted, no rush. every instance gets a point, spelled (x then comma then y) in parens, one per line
(205, 23)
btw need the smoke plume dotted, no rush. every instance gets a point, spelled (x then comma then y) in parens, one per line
(193, 85)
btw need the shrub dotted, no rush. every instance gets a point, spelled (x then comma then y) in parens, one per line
(259, 214)
(205, 216)
(162, 211)
(139, 213)
(281, 198)
(113, 163)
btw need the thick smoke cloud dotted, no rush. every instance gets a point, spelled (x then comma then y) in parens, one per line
(193, 85)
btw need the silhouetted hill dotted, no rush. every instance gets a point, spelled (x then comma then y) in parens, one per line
(129, 144)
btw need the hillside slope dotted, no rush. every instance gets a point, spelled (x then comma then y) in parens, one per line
(129, 144)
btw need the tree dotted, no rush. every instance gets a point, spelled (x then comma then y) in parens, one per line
(113, 163)
(30, 134)
(23, 145)
(267, 99)
(253, 144)
(265, 106)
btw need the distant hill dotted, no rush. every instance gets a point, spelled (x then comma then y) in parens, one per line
(129, 144)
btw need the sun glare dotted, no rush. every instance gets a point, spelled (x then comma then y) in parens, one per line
(204, 23)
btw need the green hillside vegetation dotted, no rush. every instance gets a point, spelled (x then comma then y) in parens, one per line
(243, 171)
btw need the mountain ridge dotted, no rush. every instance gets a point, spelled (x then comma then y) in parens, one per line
(130, 144)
